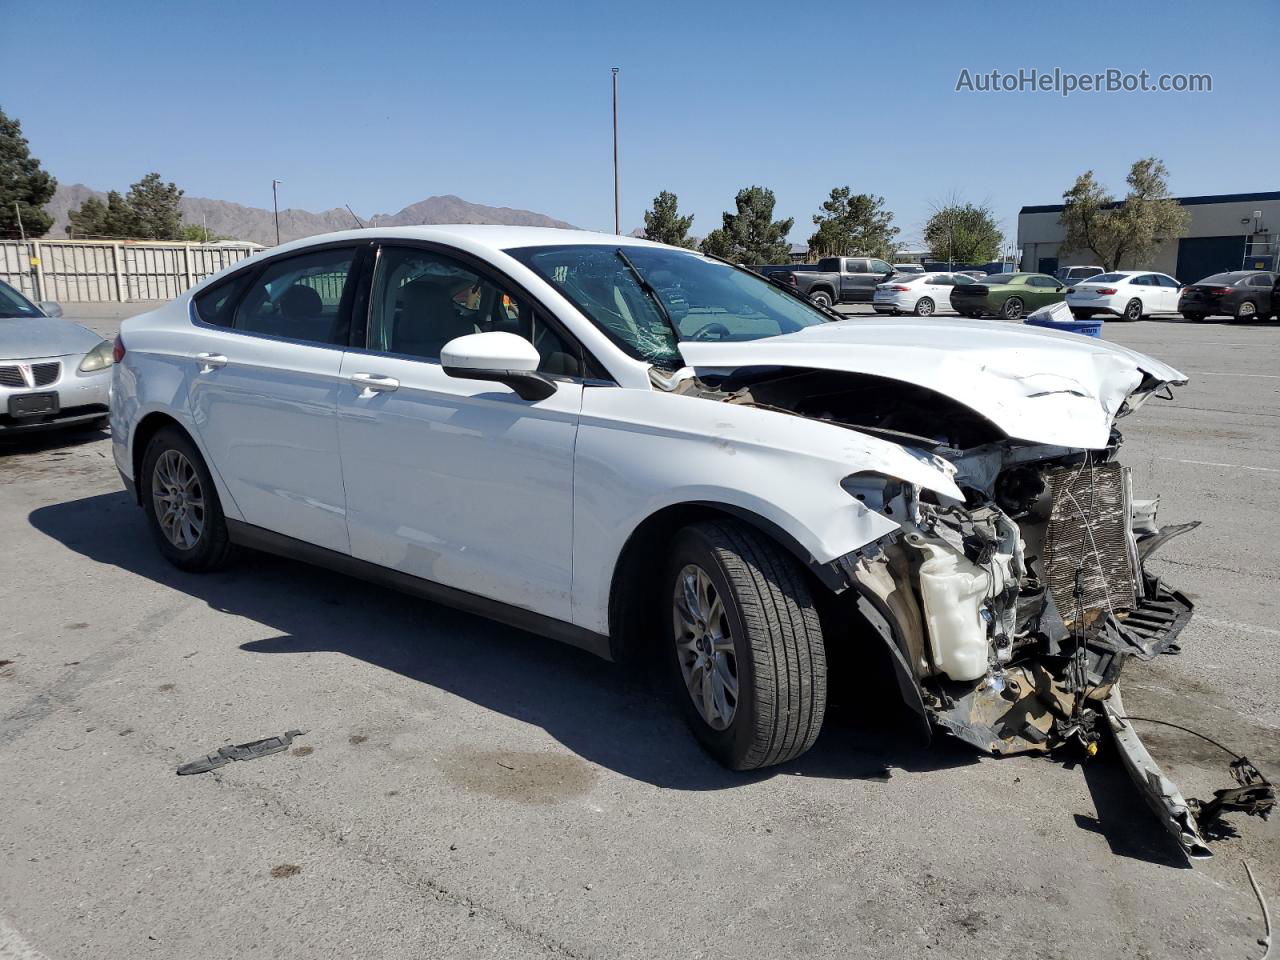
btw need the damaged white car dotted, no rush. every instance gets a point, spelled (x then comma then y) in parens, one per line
(636, 448)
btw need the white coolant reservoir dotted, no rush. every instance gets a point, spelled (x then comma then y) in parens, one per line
(953, 588)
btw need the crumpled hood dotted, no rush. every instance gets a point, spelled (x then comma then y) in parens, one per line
(22, 338)
(1036, 385)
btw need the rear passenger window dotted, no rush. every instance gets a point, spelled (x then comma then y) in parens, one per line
(301, 298)
(217, 304)
(1261, 280)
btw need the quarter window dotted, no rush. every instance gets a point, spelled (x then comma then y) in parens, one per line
(421, 300)
(301, 298)
(217, 305)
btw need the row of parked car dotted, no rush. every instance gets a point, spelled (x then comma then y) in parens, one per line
(1242, 295)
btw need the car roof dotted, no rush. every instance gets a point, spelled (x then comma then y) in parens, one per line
(491, 235)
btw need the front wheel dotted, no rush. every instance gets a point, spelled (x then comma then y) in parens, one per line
(1012, 309)
(747, 645)
(1133, 309)
(182, 505)
(821, 298)
(924, 307)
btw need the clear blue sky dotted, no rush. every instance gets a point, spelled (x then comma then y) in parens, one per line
(380, 104)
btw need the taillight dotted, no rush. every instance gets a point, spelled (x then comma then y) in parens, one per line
(1107, 291)
(900, 289)
(117, 349)
(1221, 291)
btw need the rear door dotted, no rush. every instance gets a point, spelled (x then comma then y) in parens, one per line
(263, 392)
(853, 280)
(457, 481)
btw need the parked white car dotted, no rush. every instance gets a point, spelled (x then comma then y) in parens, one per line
(1131, 294)
(920, 295)
(645, 451)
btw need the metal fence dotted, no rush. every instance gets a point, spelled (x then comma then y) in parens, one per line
(93, 271)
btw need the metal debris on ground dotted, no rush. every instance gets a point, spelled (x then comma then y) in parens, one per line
(240, 751)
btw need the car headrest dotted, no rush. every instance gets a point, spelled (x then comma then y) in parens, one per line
(301, 302)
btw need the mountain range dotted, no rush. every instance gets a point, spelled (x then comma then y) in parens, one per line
(234, 220)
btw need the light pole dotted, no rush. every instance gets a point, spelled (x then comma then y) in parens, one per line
(617, 220)
(275, 207)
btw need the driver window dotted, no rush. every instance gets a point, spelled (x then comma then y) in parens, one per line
(421, 300)
(879, 266)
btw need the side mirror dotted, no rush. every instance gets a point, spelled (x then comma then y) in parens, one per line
(50, 308)
(1058, 288)
(500, 357)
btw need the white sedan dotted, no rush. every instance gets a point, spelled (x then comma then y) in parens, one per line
(920, 295)
(644, 451)
(1131, 294)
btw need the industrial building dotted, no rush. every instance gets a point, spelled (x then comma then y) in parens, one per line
(1231, 231)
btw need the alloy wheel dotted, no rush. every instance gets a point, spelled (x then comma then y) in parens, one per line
(178, 497)
(1013, 308)
(704, 647)
(1134, 310)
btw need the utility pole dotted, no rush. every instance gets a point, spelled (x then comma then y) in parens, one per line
(617, 219)
(275, 206)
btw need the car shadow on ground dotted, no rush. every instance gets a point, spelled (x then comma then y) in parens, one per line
(44, 441)
(618, 717)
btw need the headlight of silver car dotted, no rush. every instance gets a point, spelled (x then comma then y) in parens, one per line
(99, 358)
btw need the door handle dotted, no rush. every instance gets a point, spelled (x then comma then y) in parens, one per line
(210, 361)
(371, 383)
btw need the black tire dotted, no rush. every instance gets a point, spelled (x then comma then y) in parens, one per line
(1133, 310)
(780, 662)
(924, 307)
(212, 549)
(1247, 312)
(1193, 317)
(1081, 314)
(821, 297)
(1012, 309)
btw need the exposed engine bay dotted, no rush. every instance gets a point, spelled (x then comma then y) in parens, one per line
(1011, 614)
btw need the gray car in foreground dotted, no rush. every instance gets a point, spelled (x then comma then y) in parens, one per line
(53, 373)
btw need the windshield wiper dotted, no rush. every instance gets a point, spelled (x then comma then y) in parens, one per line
(784, 287)
(651, 291)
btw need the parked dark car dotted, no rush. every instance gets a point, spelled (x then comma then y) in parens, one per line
(843, 279)
(1240, 294)
(1008, 295)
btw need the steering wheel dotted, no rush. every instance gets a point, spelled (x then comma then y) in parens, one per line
(704, 332)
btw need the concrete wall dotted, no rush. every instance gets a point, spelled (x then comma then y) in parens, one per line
(1040, 234)
(91, 271)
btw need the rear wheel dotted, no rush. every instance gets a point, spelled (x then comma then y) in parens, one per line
(1012, 309)
(182, 505)
(747, 645)
(1133, 309)
(1247, 312)
(924, 307)
(821, 298)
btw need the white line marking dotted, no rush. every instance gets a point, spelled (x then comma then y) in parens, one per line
(1215, 373)
(1212, 463)
(1240, 625)
(13, 947)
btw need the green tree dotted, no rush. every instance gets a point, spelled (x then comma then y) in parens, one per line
(22, 183)
(751, 235)
(88, 220)
(195, 233)
(853, 223)
(664, 224)
(155, 205)
(963, 233)
(1124, 233)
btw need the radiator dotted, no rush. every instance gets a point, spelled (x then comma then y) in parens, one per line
(1090, 532)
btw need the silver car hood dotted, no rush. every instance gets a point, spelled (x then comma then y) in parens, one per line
(1036, 385)
(22, 338)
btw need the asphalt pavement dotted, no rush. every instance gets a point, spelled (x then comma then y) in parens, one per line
(467, 790)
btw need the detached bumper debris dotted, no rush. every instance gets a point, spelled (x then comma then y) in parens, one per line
(1189, 821)
(240, 751)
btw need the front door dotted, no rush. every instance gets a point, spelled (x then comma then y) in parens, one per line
(460, 482)
(263, 394)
